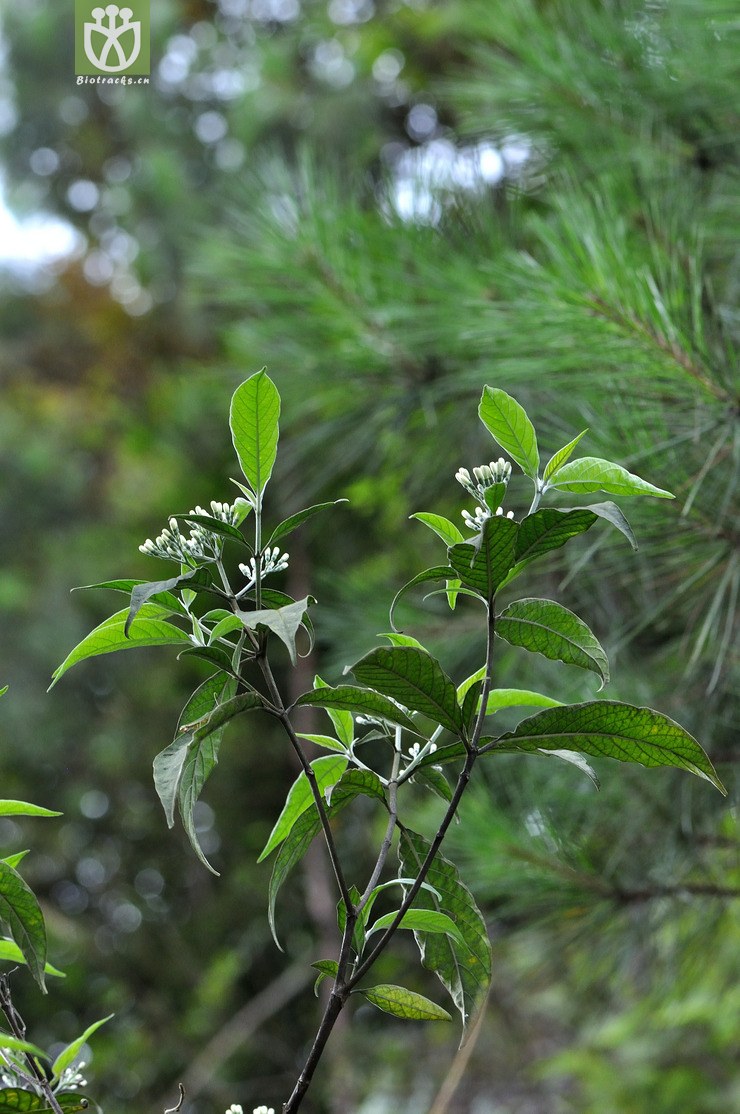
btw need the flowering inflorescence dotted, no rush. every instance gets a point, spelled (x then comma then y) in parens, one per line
(201, 544)
(236, 1108)
(485, 476)
(271, 560)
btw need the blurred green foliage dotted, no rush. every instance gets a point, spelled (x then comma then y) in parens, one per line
(389, 204)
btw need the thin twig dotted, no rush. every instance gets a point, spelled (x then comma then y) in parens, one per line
(18, 1029)
(284, 718)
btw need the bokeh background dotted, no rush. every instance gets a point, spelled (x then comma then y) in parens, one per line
(389, 204)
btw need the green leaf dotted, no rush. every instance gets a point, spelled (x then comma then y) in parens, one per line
(69, 1054)
(227, 625)
(448, 753)
(484, 564)
(441, 526)
(421, 920)
(328, 969)
(12, 1099)
(550, 528)
(465, 969)
(16, 859)
(4, 690)
(214, 655)
(352, 784)
(611, 729)
(508, 424)
(255, 410)
(415, 679)
(613, 514)
(468, 683)
(360, 701)
(288, 525)
(404, 1003)
(438, 572)
(344, 725)
(187, 749)
(327, 771)
(22, 808)
(282, 621)
(166, 600)
(573, 759)
(20, 910)
(202, 753)
(326, 741)
(435, 781)
(11, 953)
(72, 1101)
(559, 458)
(402, 640)
(590, 473)
(518, 698)
(196, 578)
(109, 636)
(546, 627)
(16, 1045)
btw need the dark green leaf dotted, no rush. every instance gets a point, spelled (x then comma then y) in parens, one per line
(170, 763)
(611, 729)
(546, 627)
(435, 781)
(548, 529)
(465, 969)
(414, 678)
(214, 655)
(559, 458)
(150, 630)
(202, 753)
(591, 473)
(255, 410)
(612, 513)
(362, 702)
(484, 564)
(20, 910)
(508, 424)
(448, 753)
(404, 1003)
(327, 771)
(141, 593)
(288, 525)
(439, 572)
(470, 703)
(282, 621)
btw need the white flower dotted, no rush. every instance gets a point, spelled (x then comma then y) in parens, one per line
(235, 1108)
(263, 1110)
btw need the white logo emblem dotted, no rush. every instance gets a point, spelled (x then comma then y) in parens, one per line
(107, 37)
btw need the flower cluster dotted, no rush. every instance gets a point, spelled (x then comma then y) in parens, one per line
(486, 476)
(417, 751)
(201, 544)
(272, 560)
(475, 522)
(235, 1108)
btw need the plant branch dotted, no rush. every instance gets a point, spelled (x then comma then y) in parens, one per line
(284, 718)
(18, 1029)
(390, 828)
